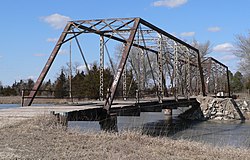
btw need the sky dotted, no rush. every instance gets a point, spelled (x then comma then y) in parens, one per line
(29, 29)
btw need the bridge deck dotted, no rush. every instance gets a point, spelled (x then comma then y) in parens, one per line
(117, 107)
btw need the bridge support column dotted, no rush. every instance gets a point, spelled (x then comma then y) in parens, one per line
(109, 123)
(62, 118)
(168, 112)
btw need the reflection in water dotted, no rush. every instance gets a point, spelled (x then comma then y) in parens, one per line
(167, 127)
(235, 133)
(157, 124)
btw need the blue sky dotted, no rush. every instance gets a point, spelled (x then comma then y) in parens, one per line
(29, 28)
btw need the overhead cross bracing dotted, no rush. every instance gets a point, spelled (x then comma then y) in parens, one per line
(216, 76)
(174, 65)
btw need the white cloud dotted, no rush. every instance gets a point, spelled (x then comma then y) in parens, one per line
(187, 34)
(1, 57)
(214, 29)
(228, 57)
(169, 3)
(56, 20)
(225, 47)
(53, 40)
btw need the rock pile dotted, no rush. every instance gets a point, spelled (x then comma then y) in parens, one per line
(223, 108)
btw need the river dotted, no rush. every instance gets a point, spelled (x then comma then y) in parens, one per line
(217, 133)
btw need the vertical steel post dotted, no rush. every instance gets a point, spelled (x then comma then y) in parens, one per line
(101, 67)
(209, 67)
(228, 83)
(160, 73)
(139, 72)
(129, 42)
(70, 71)
(142, 74)
(188, 89)
(22, 97)
(124, 77)
(47, 66)
(216, 80)
(176, 70)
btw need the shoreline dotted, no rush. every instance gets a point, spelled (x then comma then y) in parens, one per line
(18, 99)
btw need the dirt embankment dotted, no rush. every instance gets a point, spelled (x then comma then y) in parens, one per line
(41, 138)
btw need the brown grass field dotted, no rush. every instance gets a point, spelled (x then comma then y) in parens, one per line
(17, 100)
(43, 138)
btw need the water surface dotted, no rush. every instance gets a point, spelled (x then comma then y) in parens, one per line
(229, 133)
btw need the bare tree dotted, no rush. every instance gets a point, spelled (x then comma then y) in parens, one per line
(204, 48)
(242, 50)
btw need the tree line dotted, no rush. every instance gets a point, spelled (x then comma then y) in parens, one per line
(86, 85)
(83, 85)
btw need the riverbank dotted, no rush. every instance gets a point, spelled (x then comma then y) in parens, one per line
(17, 100)
(41, 138)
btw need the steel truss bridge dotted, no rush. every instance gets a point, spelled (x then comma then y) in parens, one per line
(171, 66)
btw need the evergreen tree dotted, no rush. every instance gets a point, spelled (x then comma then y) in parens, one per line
(91, 83)
(248, 84)
(61, 86)
(9, 91)
(237, 82)
(29, 85)
(46, 89)
(78, 85)
(1, 88)
(107, 80)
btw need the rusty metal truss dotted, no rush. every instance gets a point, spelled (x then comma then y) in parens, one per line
(216, 76)
(177, 71)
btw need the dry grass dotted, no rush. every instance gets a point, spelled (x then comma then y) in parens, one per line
(42, 138)
(17, 100)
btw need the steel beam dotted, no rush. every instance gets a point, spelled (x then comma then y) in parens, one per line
(129, 42)
(188, 88)
(124, 30)
(160, 69)
(153, 27)
(47, 66)
(176, 71)
(101, 67)
(124, 84)
(228, 83)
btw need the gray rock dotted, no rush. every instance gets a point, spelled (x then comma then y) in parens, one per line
(213, 113)
(218, 118)
(219, 114)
